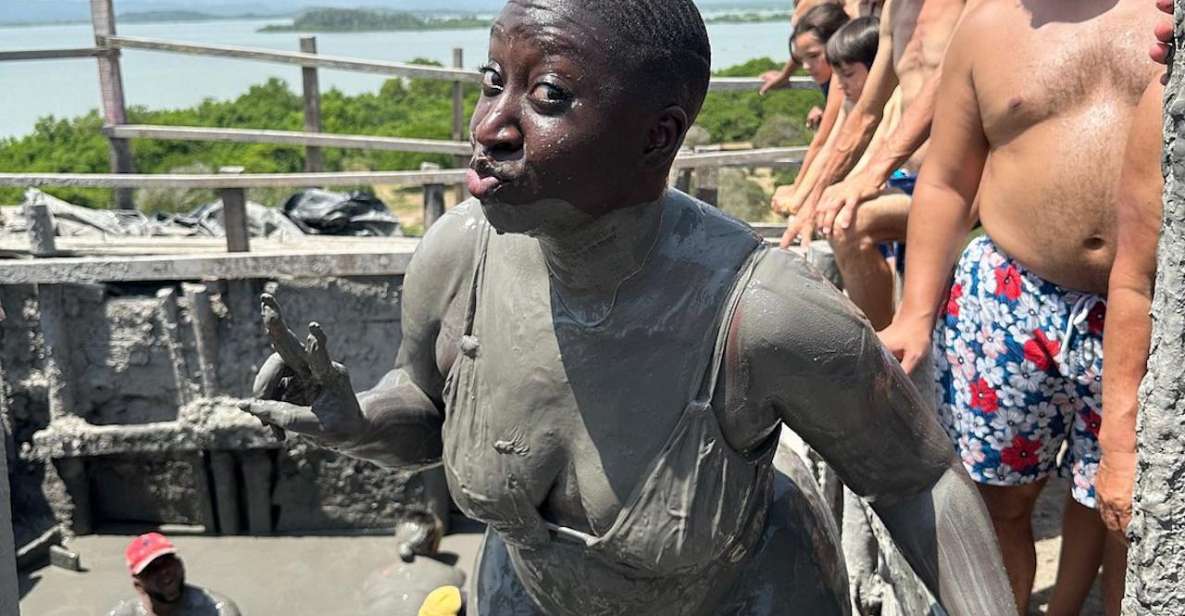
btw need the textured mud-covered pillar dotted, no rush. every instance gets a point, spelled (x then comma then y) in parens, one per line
(8, 585)
(1157, 555)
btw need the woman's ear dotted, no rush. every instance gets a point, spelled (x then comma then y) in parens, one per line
(666, 136)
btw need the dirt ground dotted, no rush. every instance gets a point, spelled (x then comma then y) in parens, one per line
(320, 575)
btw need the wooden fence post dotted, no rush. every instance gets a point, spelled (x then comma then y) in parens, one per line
(313, 162)
(460, 130)
(234, 215)
(433, 198)
(111, 91)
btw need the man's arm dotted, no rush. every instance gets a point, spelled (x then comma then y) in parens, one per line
(778, 80)
(839, 201)
(943, 202)
(1129, 300)
(787, 199)
(856, 131)
(807, 352)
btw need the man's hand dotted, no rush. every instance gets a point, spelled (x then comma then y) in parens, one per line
(784, 202)
(801, 228)
(1113, 486)
(772, 80)
(299, 388)
(840, 202)
(908, 339)
(814, 118)
(1162, 50)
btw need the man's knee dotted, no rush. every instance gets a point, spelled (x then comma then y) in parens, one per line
(852, 241)
(1011, 504)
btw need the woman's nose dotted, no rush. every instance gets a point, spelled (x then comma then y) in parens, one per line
(496, 129)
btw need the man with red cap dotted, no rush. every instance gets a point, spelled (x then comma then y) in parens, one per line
(159, 579)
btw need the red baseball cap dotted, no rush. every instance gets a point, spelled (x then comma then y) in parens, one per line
(146, 548)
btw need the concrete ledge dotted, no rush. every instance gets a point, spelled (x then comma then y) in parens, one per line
(208, 424)
(225, 266)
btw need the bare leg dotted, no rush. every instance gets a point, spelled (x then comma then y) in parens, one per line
(868, 278)
(1011, 510)
(1114, 573)
(1083, 535)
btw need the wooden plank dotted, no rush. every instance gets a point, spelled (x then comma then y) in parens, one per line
(749, 84)
(49, 54)
(212, 180)
(239, 266)
(283, 137)
(111, 95)
(360, 65)
(460, 126)
(313, 162)
(743, 158)
(767, 156)
(140, 246)
(433, 200)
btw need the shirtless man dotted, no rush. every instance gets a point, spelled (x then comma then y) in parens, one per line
(1036, 133)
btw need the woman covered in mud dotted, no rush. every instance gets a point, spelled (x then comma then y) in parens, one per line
(603, 365)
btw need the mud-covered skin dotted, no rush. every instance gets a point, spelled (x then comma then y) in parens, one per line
(563, 396)
(800, 353)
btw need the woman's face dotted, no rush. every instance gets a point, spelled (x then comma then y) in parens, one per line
(557, 131)
(851, 77)
(811, 53)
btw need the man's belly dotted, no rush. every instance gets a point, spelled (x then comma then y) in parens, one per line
(1058, 226)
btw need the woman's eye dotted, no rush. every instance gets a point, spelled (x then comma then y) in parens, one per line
(491, 82)
(548, 94)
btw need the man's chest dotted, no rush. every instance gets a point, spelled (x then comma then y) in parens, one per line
(1059, 68)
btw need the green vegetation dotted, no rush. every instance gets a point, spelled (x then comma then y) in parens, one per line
(420, 109)
(366, 20)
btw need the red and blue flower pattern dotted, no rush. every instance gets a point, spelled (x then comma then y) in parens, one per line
(1019, 373)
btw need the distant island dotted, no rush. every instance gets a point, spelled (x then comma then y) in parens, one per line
(369, 20)
(748, 18)
(378, 20)
(152, 17)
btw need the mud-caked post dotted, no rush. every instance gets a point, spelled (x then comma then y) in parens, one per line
(111, 92)
(313, 161)
(40, 228)
(8, 584)
(1157, 553)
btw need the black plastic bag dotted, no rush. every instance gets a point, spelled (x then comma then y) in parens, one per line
(358, 214)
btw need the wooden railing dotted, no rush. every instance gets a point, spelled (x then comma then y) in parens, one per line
(123, 179)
